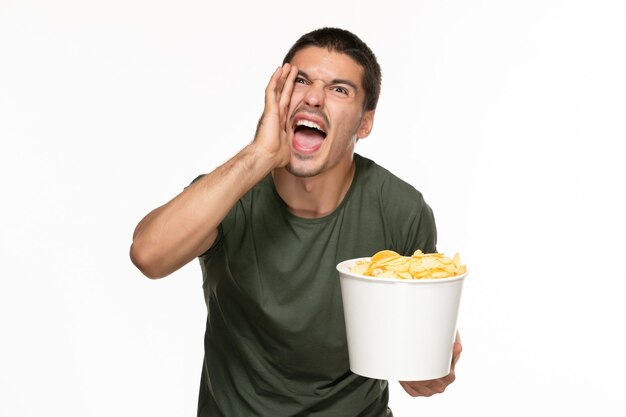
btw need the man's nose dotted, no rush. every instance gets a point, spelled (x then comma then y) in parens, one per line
(315, 95)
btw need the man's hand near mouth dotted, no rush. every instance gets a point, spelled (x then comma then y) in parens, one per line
(272, 133)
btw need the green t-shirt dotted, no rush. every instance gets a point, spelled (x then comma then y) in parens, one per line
(275, 342)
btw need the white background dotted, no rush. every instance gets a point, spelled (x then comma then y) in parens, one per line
(507, 115)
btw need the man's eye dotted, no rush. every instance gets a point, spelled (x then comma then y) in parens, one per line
(300, 80)
(341, 90)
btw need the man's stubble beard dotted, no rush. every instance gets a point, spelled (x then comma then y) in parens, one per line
(303, 173)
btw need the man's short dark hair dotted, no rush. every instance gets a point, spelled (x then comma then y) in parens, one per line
(345, 42)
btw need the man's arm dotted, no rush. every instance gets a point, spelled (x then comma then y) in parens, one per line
(172, 235)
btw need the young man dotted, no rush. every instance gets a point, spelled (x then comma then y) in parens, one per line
(270, 225)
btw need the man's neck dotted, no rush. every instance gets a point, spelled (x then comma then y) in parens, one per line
(318, 196)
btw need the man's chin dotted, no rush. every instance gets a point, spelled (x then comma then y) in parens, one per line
(301, 171)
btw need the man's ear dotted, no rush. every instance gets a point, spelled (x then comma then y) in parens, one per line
(367, 123)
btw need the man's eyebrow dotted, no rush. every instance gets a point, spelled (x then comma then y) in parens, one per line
(335, 81)
(346, 82)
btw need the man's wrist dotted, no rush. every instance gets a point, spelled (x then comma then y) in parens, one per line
(259, 159)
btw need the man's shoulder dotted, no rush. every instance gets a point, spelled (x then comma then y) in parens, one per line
(402, 208)
(383, 180)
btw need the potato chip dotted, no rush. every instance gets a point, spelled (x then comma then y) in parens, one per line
(360, 267)
(390, 264)
(384, 255)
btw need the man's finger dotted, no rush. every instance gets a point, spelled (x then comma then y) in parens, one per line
(450, 378)
(288, 86)
(409, 389)
(285, 97)
(270, 90)
(418, 389)
(280, 84)
(457, 348)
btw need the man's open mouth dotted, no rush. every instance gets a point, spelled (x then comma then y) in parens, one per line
(308, 135)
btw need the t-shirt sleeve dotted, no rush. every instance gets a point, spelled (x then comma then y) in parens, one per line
(422, 230)
(235, 215)
(412, 219)
(230, 218)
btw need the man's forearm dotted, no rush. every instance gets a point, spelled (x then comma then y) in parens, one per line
(184, 228)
